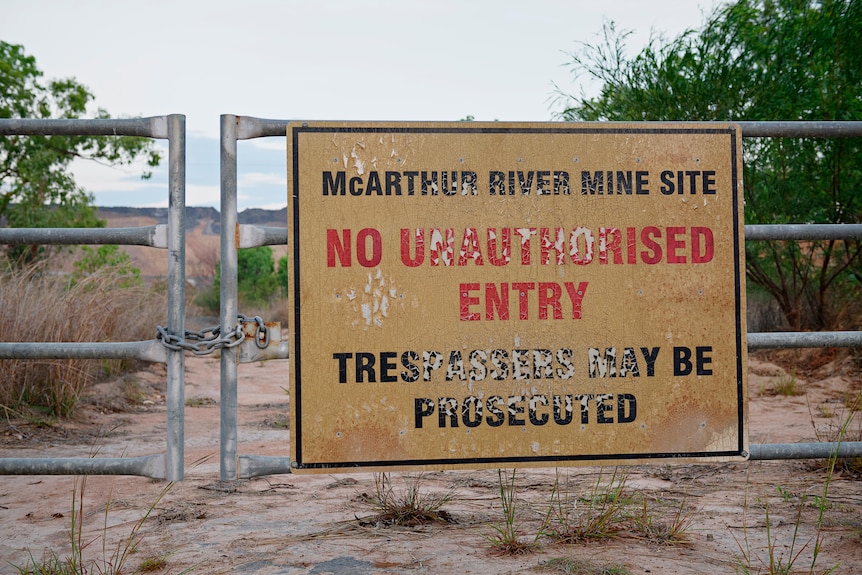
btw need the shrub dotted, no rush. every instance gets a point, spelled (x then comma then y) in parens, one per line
(38, 306)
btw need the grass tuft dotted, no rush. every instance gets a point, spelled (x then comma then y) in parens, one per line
(599, 515)
(409, 507)
(507, 538)
(572, 566)
(151, 564)
(670, 531)
(786, 386)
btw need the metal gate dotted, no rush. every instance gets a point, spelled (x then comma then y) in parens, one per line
(168, 465)
(173, 341)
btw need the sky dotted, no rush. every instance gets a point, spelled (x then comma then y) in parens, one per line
(368, 60)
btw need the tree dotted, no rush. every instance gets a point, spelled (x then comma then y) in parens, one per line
(257, 280)
(281, 276)
(36, 187)
(761, 60)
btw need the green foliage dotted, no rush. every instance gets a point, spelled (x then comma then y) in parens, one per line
(761, 60)
(281, 275)
(110, 257)
(257, 280)
(37, 188)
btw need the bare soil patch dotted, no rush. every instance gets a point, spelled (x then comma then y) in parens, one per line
(324, 524)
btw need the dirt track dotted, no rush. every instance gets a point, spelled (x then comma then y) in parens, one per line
(319, 524)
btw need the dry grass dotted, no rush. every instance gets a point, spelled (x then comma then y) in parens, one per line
(669, 531)
(407, 507)
(848, 427)
(599, 515)
(38, 306)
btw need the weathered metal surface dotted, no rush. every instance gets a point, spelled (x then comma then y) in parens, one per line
(798, 339)
(803, 232)
(151, 127)
(151, 350)
(515, 294)
(262, 342)
(251, 236)
(152, 466)
(823, 450)
(228, 301)
(153, 236)
(801, 129)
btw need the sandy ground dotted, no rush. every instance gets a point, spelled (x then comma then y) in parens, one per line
(738, 515)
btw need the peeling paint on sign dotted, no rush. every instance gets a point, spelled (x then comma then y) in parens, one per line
(370, 304)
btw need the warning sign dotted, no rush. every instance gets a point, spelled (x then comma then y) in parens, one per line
(508, 294)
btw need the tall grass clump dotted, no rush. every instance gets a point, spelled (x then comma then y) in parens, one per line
(849, 430)
(41, 306)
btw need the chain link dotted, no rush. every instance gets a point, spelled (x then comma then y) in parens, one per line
(208, 340)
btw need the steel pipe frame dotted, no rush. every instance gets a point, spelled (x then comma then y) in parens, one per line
(157, 127)
(228, 426)
(151, 350)
(147, 466)
(171, 464)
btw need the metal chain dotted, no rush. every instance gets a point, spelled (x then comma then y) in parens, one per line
(210, 339)
(261, 335)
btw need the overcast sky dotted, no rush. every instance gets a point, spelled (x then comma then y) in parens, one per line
(322, 60)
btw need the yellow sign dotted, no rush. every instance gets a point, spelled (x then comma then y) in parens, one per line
(515, 295)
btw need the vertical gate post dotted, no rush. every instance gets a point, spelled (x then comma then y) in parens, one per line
(176, 295)
(228, 306)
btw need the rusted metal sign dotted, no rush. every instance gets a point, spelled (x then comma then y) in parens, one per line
(499, 295)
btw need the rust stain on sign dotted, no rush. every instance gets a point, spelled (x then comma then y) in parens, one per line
(506, 294)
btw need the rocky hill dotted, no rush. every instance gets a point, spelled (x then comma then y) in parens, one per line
(203, 226)
(195, 217)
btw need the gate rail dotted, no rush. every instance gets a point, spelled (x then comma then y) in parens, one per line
(235, 128)
(172, 237)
